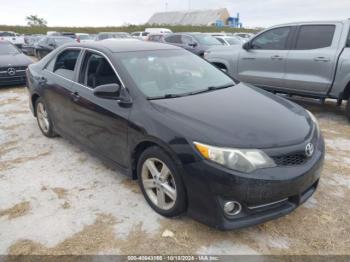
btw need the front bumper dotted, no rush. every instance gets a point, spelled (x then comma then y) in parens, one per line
(264, 194)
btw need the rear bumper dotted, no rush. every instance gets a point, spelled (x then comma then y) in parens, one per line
(264, 195)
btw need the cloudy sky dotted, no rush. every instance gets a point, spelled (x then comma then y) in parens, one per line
(117, 12)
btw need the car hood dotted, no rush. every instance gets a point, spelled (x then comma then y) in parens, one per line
(242, 116)
(14, 60)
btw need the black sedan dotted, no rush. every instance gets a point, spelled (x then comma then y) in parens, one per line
(13, 64)
(229, 155)
(49, 43)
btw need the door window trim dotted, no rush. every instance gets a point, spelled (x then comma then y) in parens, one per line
(54, 60)
(77, 70)
(297, 33)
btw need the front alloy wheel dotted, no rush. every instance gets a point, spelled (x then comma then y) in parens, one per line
(161, 182)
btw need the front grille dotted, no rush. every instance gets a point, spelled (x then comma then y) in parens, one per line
(15, 67)
(290, 160)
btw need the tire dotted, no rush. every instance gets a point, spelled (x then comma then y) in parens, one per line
(169, 207)
(347, 109)
(45, 125)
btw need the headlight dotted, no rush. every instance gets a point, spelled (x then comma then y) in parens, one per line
(314, 119)
(242, 160)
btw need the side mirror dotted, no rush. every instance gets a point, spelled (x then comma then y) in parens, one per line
(108, 91)
(247, 46)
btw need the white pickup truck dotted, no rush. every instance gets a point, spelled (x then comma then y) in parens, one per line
(12, 37)
(306, 58)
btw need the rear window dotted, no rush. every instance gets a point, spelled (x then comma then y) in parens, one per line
(315, 36)
(7, 34)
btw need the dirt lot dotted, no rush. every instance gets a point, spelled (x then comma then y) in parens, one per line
(57, 199)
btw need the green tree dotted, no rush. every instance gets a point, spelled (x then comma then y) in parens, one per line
(34, 20)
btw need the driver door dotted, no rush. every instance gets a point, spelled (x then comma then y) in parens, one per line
(264, 64)
(100, 124)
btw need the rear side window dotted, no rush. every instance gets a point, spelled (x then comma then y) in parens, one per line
(65, 63)
(274, 39)
(175, 39)
(97, 71)
(315, 36)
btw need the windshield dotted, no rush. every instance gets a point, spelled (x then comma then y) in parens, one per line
(207, 40)
(84, 37)
(166, 73)
(61, 41)
(6, 49)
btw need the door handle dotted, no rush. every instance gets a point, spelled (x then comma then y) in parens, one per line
(75, 96)
(321, 59)
(248, 58)
(276, 57)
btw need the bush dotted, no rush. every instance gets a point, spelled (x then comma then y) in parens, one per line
(129, 29)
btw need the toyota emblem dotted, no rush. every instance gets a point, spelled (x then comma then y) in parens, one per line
(11, 71)
(309, 150)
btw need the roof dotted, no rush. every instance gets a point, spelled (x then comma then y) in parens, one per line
(314, 22)
(126, 45)
(196, 17)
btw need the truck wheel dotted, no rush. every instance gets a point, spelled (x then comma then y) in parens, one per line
(347, 109)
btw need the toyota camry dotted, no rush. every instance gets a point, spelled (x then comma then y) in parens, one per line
(228, 155)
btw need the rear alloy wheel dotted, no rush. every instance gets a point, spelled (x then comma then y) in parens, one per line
(347, 109)
(43, 119)
(161, 183)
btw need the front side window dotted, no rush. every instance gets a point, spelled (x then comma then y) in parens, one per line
(315, 36)
(274, 39)
(65, 63)
(97, 71)
(171, 72)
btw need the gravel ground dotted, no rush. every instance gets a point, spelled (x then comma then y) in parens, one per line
(57, 199)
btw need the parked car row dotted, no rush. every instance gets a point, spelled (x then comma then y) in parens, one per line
(198, 43)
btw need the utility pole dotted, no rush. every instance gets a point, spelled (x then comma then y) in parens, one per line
(189, 5)
(166, 5)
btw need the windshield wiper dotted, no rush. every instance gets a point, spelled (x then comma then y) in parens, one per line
(166, 96)
(211, 88)
(208, 89)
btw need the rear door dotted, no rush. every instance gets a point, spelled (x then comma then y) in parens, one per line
(265, 63)
(311, 64)
(58, 79)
